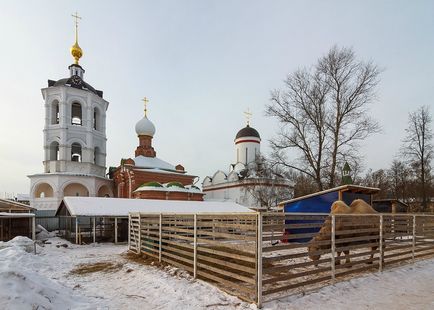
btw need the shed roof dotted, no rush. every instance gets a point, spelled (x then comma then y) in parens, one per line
(15, 215)
(344, 188)
(109, 207)
(11, 206)
(390, 200)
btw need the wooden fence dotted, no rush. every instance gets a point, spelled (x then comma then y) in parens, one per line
(221, 248)
(264, 256)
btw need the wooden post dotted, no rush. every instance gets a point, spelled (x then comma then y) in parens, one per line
(129, 231)
(160, 231)
(333, 247)
(414, 238)
(116, 230)
(94, 229)
(139, 249)
(33, 228)
(76, 230)
(195, 247)
(380, 266)
(259, 259)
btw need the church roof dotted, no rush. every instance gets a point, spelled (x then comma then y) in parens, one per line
(153, 163)
(247, 132)
(76, 82)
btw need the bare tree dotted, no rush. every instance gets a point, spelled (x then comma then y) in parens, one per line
(418, 149)
(266, 184)
(323, 113)
(301, 108)
(378, 179)
(352, 86)
(400, 180)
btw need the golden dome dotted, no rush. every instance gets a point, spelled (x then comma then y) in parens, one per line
(76, 52)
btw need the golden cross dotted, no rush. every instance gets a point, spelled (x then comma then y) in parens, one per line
(248, 116)
(145, 100)
(76, 25)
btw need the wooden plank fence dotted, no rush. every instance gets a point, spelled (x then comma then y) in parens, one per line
(263, 256)
(220, 248)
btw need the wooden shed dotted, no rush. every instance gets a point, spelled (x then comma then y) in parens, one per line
(16, 219)
(321, 202)
(390, 206)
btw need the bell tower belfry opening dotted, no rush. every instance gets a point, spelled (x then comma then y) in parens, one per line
(74, 137)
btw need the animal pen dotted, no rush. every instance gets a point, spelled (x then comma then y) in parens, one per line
(98, 219)
(254, 257)
(16, 219)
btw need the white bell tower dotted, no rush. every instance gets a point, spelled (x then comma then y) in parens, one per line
(74, 140)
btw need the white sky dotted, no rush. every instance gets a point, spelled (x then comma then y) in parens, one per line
(201, 63)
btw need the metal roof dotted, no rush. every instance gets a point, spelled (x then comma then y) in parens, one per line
(344, 188)
(118, 207)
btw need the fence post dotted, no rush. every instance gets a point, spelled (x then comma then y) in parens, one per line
(33, 228)
(259, 259)
(380, 265)
(94, 230)
(116, 230)
(160, 238)
(195, 247)
(129, 231)
(76, 230)
(333, 248)
(414, 238)
(139, 249)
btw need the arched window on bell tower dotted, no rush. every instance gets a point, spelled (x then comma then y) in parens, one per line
(96, 119)
(55, 112)
(54, 150)
(97, 156)
(76, 152)
(76, 114)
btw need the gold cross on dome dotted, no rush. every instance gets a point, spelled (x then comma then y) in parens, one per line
(145, 100)
(248, 116)
(76, 17)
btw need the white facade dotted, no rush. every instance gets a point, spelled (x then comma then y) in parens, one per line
(227, 188)
(74, 143)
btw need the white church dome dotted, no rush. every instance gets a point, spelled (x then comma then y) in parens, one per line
(145, 127)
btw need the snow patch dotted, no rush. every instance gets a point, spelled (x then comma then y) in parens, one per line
(22, 287)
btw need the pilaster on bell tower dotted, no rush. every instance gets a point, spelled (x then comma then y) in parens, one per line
(145, 130)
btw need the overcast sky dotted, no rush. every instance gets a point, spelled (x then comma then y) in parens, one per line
(201, 63)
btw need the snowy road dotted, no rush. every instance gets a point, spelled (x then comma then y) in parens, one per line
(45, 280)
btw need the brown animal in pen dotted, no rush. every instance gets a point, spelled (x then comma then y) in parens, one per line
(319, 242)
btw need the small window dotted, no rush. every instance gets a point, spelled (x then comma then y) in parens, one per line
(246, 157)
(76, 114)
(55, 112)
(94, 119)
(76, 152)
(54, 150)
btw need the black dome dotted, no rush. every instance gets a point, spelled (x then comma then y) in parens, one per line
(247, 132)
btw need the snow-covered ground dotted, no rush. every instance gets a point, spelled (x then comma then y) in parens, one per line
(45, 281)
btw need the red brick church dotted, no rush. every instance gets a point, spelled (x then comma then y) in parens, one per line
(147, 177)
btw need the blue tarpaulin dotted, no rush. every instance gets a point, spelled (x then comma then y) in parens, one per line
(320, 203)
